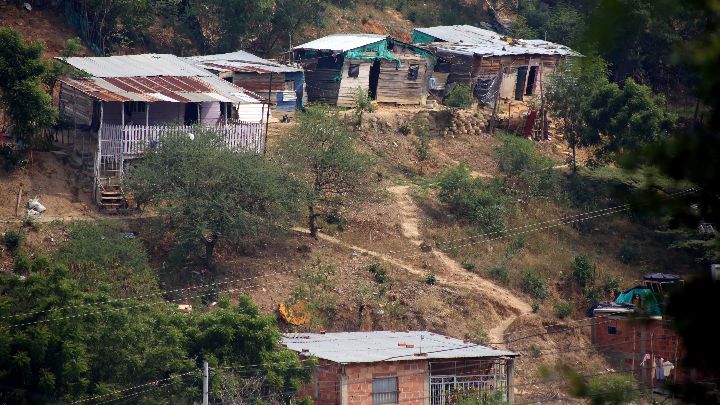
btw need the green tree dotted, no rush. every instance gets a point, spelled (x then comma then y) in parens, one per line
(568, 95)
(59, 344)
(529, 174)
(232, 24)
(583, 270)
(320, 150)
(22, 98)
(625, 119)
(208, 193)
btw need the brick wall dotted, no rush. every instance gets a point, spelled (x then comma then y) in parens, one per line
(633, 339)
(329, 384)
(412, 378)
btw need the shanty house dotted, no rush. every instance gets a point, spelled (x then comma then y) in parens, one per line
(495, 66)
(283, 84)
(122, 104)
(336, 66)
(413, 368)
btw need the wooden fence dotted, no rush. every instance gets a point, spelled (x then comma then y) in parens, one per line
(130, 141)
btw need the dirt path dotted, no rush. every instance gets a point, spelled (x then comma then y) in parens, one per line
(455, 274)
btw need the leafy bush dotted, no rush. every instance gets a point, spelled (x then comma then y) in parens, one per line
(13, 240)
(378, 272)
(405, 128)
(363, 103)
(460, 96)
(535, 307)
(534, 284)
(98, 254)
(563, 309)
(469, 198)
(468, 265)
(430, 279)
(612, 389)
(529, 174)
(501, 273)
(316, 286)
(22, 263)
(583, 270)
(611, 282)
(422, 145)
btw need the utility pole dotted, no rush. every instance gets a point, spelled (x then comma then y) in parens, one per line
(206, 383)
(267, 117)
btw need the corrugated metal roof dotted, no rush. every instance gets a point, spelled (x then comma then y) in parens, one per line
(135, 66)
(156, 78)
(519, 47)
(371, 347)
(469, 40)
(341, 42)
(161, 88)
(462, 34)
(240, 61)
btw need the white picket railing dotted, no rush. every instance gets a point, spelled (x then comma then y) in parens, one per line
(131, 140)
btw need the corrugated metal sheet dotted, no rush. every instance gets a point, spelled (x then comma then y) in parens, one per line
(240, 61)
(135, 66)
(168, 88)
(469, 40)
(341, 42)
(370, 347)
(462, 34)
(152, 78)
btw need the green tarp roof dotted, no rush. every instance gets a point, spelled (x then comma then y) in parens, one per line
(648, 303)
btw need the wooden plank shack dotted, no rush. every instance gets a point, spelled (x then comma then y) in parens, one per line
(260, 83)
(75, 106)
(349, 85)
(404, 83)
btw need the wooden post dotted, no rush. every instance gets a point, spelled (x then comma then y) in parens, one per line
(542, 102)
(497, 103)
(267, 117)
(98, 155)
(19, 197)
(509, 365)
(147, 115)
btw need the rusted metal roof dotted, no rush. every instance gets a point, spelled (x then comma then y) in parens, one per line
(240, 61)
(155, 84)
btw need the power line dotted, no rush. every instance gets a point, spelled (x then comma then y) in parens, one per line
(605, 212)
(122, 391)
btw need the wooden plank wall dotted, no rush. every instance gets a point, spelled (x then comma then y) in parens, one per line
(259, 83)
(74, 105)
(394, 85)
(321, 85)
(349, 85)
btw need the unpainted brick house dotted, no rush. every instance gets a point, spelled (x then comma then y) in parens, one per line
(413, 368)
(635, 335)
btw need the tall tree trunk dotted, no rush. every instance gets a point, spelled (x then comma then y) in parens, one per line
(574, 161)
(312, 221)
(209, 251)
